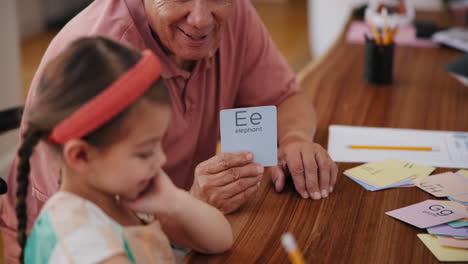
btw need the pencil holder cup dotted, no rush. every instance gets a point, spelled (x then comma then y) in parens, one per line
(378, 64)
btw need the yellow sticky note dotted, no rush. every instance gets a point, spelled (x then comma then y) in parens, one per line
(387, 172)
(463, 173)
(421, 172)
(443, 253)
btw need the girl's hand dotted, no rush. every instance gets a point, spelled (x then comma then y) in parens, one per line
(158, 198)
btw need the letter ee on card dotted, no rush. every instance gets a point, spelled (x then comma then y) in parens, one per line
(426, 214)
(251, 129)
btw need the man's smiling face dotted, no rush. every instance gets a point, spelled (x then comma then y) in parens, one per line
(190, 29)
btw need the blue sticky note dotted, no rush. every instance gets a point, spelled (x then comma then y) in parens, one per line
(373, 188)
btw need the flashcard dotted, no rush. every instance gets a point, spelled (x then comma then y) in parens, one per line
(447, 230)
(463, 173)
(251, 129)
(444, 184)
(426, 214)
(463, 198)
(388, 172)
(443, 253)
(453, 242)
(458, 223)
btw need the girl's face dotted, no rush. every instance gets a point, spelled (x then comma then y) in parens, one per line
(128, 166)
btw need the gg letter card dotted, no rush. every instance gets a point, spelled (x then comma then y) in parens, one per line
(251, 129)
(426, 214)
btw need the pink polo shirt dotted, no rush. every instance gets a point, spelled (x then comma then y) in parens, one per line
(247, 70)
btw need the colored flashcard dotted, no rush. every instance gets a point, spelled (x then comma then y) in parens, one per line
(447, 230)
(405, 183)
(443, 253)
(444, 184)
(463, 198)
(463, 173)
(384, 173)
(426, 214)
(452, 242)
(251, 129)
(458, 223)
(458, 201)
(461, 207)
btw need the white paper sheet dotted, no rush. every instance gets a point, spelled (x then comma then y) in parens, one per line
(452, 147)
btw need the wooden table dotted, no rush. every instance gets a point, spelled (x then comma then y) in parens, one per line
(351, 226)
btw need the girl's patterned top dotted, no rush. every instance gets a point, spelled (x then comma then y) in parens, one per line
(73, 230)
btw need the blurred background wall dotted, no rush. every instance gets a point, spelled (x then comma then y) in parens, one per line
(326, 19)
(9, 75)
(35, 16)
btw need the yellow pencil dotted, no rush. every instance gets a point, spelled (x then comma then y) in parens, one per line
(294, 254)
(385, 38)
(393, 148)
(375, 32)
(391, 31)
(391, 36)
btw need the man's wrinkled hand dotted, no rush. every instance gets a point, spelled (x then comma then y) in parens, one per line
(227, 181)
(312, 170)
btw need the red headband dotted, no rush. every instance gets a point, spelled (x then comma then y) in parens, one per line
(110, 102)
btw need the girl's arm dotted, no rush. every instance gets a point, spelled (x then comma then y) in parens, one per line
(194, 224)
(186, 221)
(119, 259)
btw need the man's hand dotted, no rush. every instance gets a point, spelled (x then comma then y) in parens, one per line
(311, 168)
(227, 180)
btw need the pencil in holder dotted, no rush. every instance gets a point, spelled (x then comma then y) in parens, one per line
(378, 64)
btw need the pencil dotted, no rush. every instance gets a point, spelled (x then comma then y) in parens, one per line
(391, 36)
(393, 148)
(385, 38)
(290, 245)
(393, 27)
(375, 32)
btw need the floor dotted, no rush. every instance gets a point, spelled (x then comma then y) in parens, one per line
(286, 21)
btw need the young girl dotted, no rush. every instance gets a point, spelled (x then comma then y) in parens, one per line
(104, 109)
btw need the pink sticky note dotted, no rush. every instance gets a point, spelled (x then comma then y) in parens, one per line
(453, 242)
(426, 214)
(444, 184)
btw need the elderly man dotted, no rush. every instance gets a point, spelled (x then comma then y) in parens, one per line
(216, 55)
